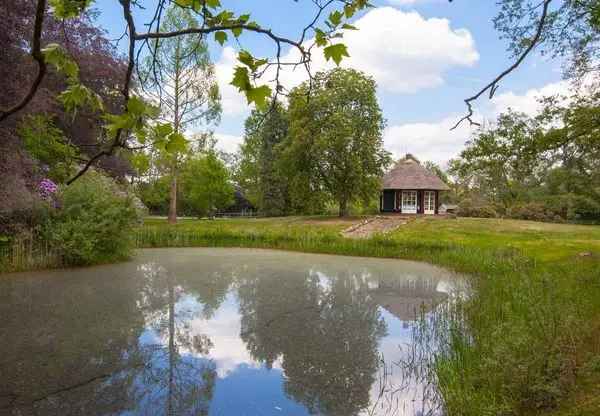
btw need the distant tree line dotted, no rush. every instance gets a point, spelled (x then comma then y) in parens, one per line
(544, 167)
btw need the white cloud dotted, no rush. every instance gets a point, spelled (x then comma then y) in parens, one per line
(427, 141)
(232, 101)
(403, 51)
(228, 142)
(436, 142)
(529, 101)
(223, 329)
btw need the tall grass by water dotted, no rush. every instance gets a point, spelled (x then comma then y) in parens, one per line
(313, 240)
(28, 254)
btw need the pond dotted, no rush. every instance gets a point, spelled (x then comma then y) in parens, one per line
(218, 332)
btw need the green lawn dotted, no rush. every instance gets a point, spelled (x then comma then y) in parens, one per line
(546, 242)
(249, 224)
(532, 340)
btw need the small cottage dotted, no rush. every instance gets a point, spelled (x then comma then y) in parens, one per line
(409, 188)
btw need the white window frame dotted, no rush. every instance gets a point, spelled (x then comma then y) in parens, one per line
(409, 196)
(429, 202)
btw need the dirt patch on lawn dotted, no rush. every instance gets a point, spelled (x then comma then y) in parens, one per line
(374, 225)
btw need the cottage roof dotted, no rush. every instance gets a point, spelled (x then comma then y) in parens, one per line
(410, 174)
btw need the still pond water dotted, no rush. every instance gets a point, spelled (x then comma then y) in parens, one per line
(218, 332)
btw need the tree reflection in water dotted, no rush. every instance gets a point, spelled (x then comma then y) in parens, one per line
(178, 375)
(324, 328)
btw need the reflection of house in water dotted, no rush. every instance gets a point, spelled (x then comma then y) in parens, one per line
(407, 297)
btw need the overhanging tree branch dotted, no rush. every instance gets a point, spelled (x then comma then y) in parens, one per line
(36, 53)
(493, 85)
(211, 24)
(117, 141)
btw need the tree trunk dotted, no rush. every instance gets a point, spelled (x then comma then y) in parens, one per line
(343, 208)
(173, 195)
(173, 200)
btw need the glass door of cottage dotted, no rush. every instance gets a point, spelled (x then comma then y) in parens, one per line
(409, 202)
(429, 208)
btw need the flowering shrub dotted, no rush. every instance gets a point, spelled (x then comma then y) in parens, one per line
(94, 223)
(47, 189)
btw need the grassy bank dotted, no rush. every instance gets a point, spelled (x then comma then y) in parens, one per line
(532, 340)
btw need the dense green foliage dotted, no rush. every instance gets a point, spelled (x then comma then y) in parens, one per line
(260, 172)
(325, 149)
(47, 145)
(544, 168)
(154, 194)
(206, 185)
(335, 144)
(94, 222)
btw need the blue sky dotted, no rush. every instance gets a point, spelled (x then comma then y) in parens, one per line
(426, 56)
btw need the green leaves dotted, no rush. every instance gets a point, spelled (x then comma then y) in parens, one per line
(259, 96)
(247, 59)
(199, 4)
(241, 80)
(336, 52)
(68, 9)
(176, 143)
(221, 37)
(134, 119)
(349, 10)
(213, 4)
(336, 23)
(237, 31)
(163, 130)
(55, 55)
(225, 20)
(77, 96)
(335, 18)
(47, 144)
(136, 106)
(320, 38)
(168, 141)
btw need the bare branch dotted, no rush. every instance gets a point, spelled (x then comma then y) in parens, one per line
(492, 87)
(36, 53)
